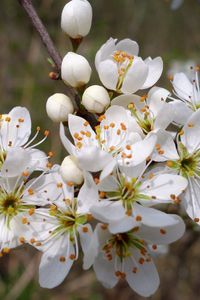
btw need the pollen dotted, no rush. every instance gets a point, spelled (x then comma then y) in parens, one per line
(88, 134)
(85, 229)
(190, 125)
(118, 131)
(123, 126)
(141, 260)
(135, 270)
(30, 191)
(59, 185)
(50, 154)
(24, 220)
(46, 133)
(32, 241)
(38, 244)
(22, 240)
(163, 231)
(181, 132)
(138, 218)
(70, 183)
(154, 247)
(104, 226)
(76, 135)
(102, 195)
(128, 147)
(31, 211)
(79, 145)
(62, 259)
(112, 125)
(49, 165)
(86, 123)
(196, 220)
(72, 256)
(21, 120)
(8, 119)
(25, 174)
(169, 163)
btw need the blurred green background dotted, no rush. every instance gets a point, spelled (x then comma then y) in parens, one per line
(174, 35)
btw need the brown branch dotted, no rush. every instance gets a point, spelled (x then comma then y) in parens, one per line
(39, 26)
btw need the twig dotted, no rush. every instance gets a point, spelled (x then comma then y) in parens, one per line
(24, 280)
(39, 26)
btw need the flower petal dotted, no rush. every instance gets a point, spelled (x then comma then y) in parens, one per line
(129, 46)
(135, 77)
(155, 68)
(108, 74)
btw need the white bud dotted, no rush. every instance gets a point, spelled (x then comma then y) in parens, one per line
(76, 18)
(58, 107)
(96, 99)
(75, 70)
(70, 171)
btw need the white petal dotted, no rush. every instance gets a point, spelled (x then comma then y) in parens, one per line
(17, 161)
(182, 86)
(88, 195)
(153, 217)
(163, 186)
(105, 271)
(52, 271)
(19, 135)
(156, 99)
(65, 141)
(164, 117)
(135, 77)
(181, 111)
(105, 51)
(89, 246)
(108, 74)
(93, 159)
(76, 125)
(129, 46)
(191, 136)
(38, 159)
(146, 280)
(169, 234)
(155, 68)
(122, 225)
(167, 144)
(107, 211)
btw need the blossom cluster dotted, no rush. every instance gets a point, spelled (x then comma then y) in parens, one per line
(140, 152)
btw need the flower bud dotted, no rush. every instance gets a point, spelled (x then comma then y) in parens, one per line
(58, 107)
(96, 99)
(76, 18)
(75, 70)
(70, 171)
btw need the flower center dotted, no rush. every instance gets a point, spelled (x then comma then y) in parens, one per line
(124, 62)
(144, 116)
(128, 193)
(122, 244)
(188, 164)
(9, 204)
(68, 219)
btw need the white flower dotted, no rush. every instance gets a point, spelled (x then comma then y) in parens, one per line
(150, 111)
(124, 197)
(18, 198)
(70, 170)
(184, 159)
(75, 70)
(96, 99)
(121, 69)
(56, 230)
(188, 93)
(15, 131)
(76, 18)
(128, 255)
(58, 107)
(116, 140)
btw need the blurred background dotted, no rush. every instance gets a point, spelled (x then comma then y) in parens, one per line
(174, 35)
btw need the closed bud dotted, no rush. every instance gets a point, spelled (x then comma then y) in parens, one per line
(76, 18)
(96, 99)
(58, 107)
(70, 171)
(75, 70)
